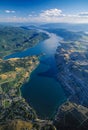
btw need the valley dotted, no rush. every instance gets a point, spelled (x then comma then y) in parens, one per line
(44, 79)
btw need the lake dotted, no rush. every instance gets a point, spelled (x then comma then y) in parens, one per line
(42, 91)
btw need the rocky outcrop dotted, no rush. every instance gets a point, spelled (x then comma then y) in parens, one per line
(71, 116)
(72, 64)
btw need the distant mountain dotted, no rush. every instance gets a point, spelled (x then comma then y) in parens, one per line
(30, 27)
(13, 39)
(75, 27)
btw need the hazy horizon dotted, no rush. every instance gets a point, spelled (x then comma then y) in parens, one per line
(47, 11)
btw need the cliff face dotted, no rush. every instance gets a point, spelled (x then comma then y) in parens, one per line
(71, 116)
(72, 64)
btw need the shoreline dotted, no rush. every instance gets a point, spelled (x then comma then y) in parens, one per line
(54, 112)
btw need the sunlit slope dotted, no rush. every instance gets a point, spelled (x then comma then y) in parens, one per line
(13, 39)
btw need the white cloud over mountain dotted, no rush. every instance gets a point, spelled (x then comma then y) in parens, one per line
(9, 11)
(51, 13)
(48, 16)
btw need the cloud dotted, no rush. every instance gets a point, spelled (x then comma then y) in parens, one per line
(51, 13)
(48, 16)
(10, 11)
(30, 15)
(84, 14)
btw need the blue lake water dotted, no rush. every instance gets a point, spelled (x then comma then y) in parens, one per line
(43, 92)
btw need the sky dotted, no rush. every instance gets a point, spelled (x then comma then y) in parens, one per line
(44, 11)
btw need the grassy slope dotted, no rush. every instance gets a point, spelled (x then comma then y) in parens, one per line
(14, 39)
